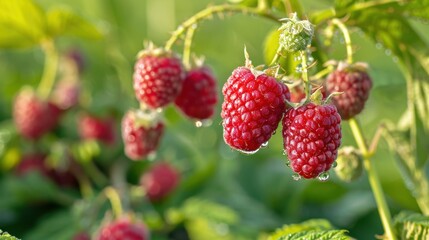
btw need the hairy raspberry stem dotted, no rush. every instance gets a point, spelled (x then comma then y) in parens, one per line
(50, 69)
(377, 190)
(307, 84)
(187, 47)
(208, 12)
(347, 38)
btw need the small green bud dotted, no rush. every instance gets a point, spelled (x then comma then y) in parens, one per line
(349, 164)
(295, 34)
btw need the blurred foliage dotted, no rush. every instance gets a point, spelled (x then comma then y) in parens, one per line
(412, 225)
(234, 196)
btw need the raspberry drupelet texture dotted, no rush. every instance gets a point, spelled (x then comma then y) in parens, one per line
(355, 85)
(33, 116)
(122, 229)
(311, 137)
(252, 109)
(91, 127)
(160, 181)
(198, 97)
(141, 136)
(158, 79)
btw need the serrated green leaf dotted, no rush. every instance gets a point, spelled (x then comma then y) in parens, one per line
(317, 235)
(57, 226)
(313, 224)
(64, 22)
(22, 24)
(412, 226)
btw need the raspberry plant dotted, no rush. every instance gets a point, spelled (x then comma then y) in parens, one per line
(61, 148)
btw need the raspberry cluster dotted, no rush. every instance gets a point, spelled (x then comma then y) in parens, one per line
(161, 79)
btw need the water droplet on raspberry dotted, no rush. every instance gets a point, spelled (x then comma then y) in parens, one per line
(159, 110)
(203, 123)
(265, 144)
(334, 165)
(288, 163)
(284, 152)
(248, 152)
(324, 176)
(296, 176)
(151, 156)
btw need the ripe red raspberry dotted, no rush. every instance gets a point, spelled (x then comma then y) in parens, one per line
(158, 77)
(160, 181)
(102, 129)
(33, 116)
(311, 137)
(81, 236)
(198, 97)
(354, 83)
(141, 133)
(122, 229)
(252, 109)
(297, 93)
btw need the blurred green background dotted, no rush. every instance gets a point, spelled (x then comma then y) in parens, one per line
(259, 187)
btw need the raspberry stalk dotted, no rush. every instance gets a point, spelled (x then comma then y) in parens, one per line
(347, 38)
(115, 200)
(50, 69)
(373, 179)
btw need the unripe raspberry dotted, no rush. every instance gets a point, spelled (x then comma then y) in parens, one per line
(349, 164)
(160, 181)
(296, 34)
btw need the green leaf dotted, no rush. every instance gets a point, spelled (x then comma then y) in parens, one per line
(64, 22)
(22, 24)
(317, 235)
(59, 225)
(6, 236)
(310, 225)
(412, 225)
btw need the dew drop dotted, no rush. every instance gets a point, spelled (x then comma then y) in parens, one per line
(334, 165)
(249, 152)
(297, 58)
(203, 123)
(159, 110)
(288, 163)
(284, 152)
(395, 59)
(296, 176)
(151, 156)
(265, 144)
(388, 52)
(324, 176)
(379, 45)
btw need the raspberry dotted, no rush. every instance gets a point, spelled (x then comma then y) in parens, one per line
(33, 116)
(36, 162)
(252, 109)
(312, 136)
(158, 77)
(297, 93)
(354, 83)
(91, 127)
(198, 97)
(81, 236)
(66, 93)
(141, 133)
(160, 181)
(349, 164)
(123, 228)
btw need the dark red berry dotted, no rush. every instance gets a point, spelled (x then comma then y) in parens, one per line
(312, 136)
(297, 93)
(158, 78)
(141, 134)
(160, 181)
(82, 236)
(122, 229)
(198, 97)
(102, 129)
(33, 116)
(252, 109)
(354, 83)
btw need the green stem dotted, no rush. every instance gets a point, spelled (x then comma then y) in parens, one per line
(321, 74)
(115, 200)
(373, 180)
(96, 175)
(277, 56)
(209, 12)
(347, 38)
(50, 69)
(307, 84)
(187, 47)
